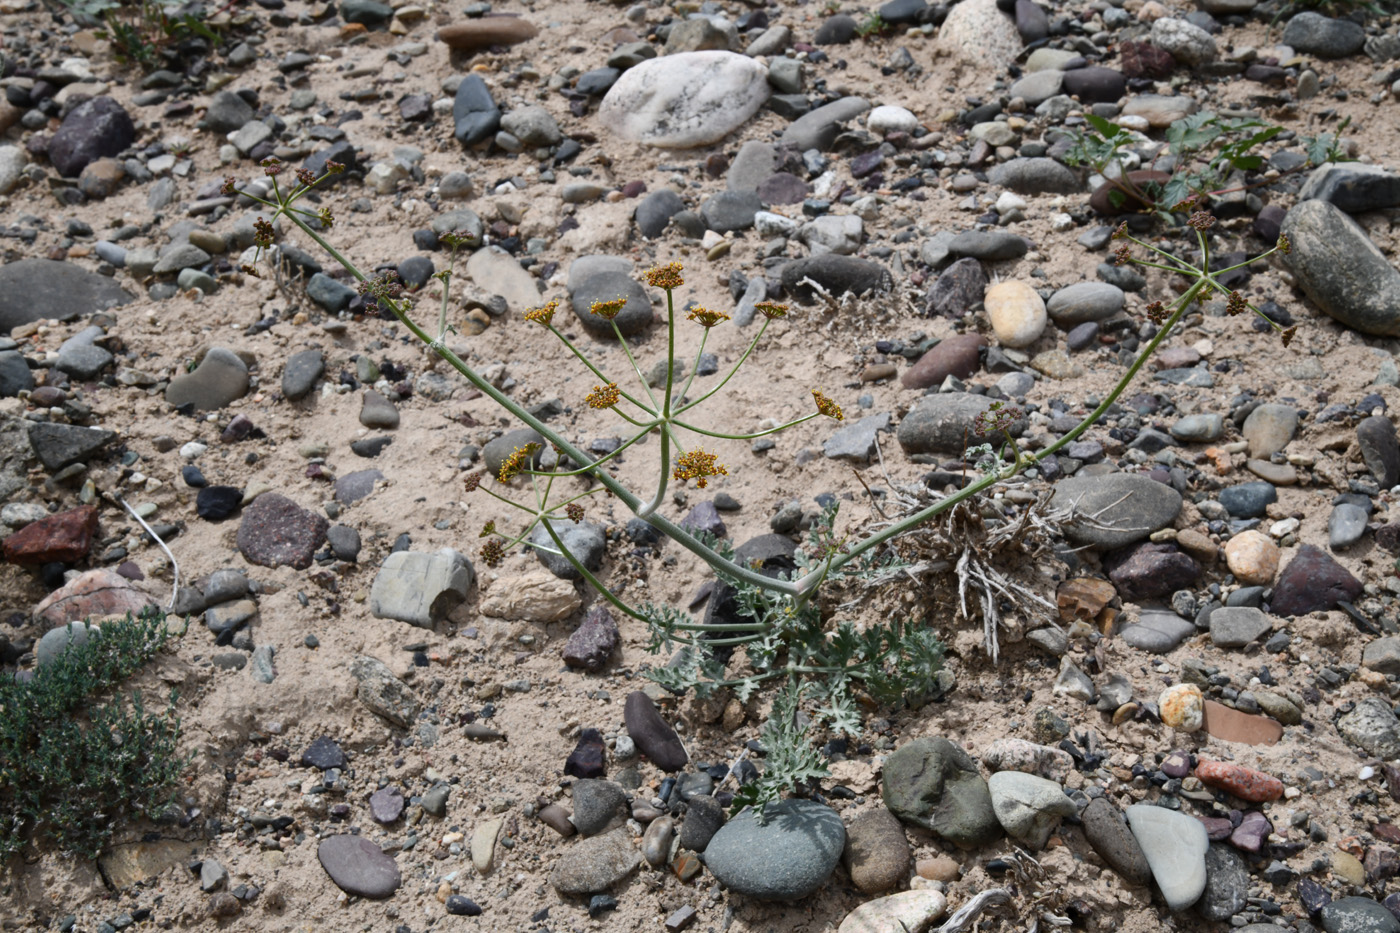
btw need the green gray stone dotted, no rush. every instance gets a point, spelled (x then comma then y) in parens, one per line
(934, 784)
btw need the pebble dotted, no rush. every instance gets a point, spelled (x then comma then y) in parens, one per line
(1028, 807)
(1244, 783)
(276, 532)
(598, 806)
(684, 100)
(1227, 884)
(1175, 846)
(1108, 833)
(1312, 581)
(1182, 707)
(935, 784)
(1235, 627)
(1128, 507)
(656, 841)
(594, 865)
(421, 588)
(877, 854)
(376, 411)
(1252, 557)
(654, 736)
(220, 378)
(1017, 313)
(898, 913)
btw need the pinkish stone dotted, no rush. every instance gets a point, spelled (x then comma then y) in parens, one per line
(64, 537)
(956, 356)
(96, 594)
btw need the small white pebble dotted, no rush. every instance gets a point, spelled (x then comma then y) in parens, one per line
(1367, 773)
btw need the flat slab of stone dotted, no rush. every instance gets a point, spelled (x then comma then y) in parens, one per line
(358, 866)
(1130, 505)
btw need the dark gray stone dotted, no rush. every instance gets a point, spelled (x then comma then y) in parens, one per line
(475, 116)
(1108, 833)
(943, 423)
(1038, 175)
(838, 275)
(1380, 449)
(598, 806)
(703, 818)
(1314, 34)
(57, 445)
(1357, 914)
(726, 211)
(39, 289)
(1227, 884)
(95, 129)
(635, 316)
(1353, 186)
(653, 735)
(656, 210)
(819, 128)
(301, 372)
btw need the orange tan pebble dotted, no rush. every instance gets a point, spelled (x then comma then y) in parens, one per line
(1244, 783)
(1221, 459)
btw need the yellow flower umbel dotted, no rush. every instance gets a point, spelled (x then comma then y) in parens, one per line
(706, 318)
(603, 396)
(697, 465)
(827, 407)
(516, 462)
(666, 277)
(608, 309)
(544, 315)
(771, 310)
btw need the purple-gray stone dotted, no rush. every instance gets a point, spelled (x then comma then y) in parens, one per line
(592, 642)
(386, 805)
(323, 753)
(1312, 582)
(358, 866)
(1142, 571)
(588, 757)
(277, 532)
(95, 129)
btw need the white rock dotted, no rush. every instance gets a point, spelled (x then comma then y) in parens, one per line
(1017, 313)
(533, 597)
(384, 177)
(1009, 201)
(906, 912)
(684, 100)
(1175, 846)
(192, 450)
(1186, 42)
(833, 233)
(496, 272)
(887, 120)
(770, 225)
(12, 162)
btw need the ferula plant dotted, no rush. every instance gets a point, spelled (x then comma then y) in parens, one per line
(824, 665)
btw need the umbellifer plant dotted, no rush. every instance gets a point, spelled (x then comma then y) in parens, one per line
(784, 635)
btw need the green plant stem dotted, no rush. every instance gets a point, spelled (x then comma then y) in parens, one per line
(622, 341)
(745, 437)
(594, 369)
(667, 527)
(806, 583)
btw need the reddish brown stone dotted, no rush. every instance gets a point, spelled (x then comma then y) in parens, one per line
(956, 356)
(483, 33)
(95, 594)
(65, 537)
(276, 532)
(1231, 725)
(1083, 598)
(1145, 60)
(1244, 783)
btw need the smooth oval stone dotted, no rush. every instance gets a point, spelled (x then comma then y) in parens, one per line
(1131, 506)
(684, 100)
(656, 841)
(1341, 270)
(787, 856)
(877, 854)
(1017, 313)
(1108, 833)
(487, 31)
(1083, 302)
(1175, 846)
(358, 866)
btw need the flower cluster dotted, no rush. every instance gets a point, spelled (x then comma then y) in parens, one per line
(263, 234)
(487, 530)
(1235, 304)
(705, 317)
(697, 465)
(1122, 255)
(516, 462)
(456, 239)
(574, 511)
(1200, 220)
(1283, 246)
(608, 309)
(666, 277)
(603, 396)
(1288, 335)
(230, 187)
(771, 310)
(544, 315)
(492, 553)
(306, 177)
(1158, 313)
(998, 418)
(827, 407)
(386, 285)
(273, 167)
(472, 481)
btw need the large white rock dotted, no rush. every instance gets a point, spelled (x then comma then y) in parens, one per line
(684, 100)
(905, 912)
(1017, 313)
(1175, 845)
(976, 31)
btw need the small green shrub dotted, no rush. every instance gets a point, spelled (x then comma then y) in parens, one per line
(70, 772)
